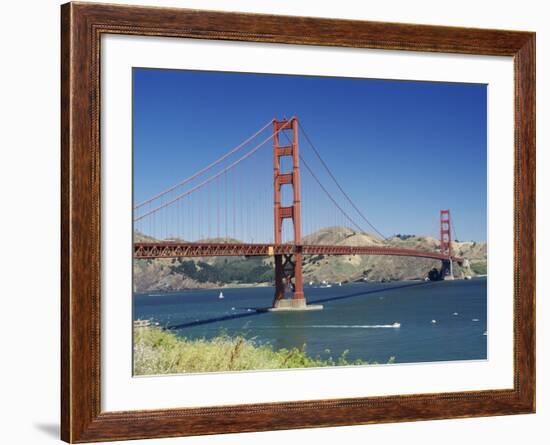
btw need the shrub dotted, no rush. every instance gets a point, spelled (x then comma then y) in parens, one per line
(157, 351)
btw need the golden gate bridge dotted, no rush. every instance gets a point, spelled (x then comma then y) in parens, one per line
(258, 203)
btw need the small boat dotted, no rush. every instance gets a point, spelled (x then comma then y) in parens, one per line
(396, 325)
(221, 295)
(434, 321)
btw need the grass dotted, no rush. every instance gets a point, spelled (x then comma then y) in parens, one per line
(157, 351)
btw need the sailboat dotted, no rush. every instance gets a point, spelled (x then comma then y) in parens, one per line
(221, 295)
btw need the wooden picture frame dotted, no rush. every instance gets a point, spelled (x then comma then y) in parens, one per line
(82, 25)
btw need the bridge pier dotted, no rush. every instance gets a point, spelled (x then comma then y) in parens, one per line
(446, 272)
(288, 277)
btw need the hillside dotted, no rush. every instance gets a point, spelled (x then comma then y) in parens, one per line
(383, 268)
(187, 273)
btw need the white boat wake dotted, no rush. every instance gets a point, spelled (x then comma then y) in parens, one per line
(353, 326)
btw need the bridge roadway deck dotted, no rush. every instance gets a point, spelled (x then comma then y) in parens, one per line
(170, 249)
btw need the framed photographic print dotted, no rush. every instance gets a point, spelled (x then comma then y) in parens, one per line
(276, 222)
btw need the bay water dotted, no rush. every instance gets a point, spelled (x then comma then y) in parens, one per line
(404, 321)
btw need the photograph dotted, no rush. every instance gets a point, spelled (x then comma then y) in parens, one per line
(298, 221)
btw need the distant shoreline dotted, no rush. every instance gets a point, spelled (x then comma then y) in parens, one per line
(158, 292)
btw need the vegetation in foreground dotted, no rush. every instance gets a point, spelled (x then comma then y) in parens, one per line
(157, 351)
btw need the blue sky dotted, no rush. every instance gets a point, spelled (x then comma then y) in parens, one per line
(401, 149)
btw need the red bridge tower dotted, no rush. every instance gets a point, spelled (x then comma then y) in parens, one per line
(446, 244)
(288, 268)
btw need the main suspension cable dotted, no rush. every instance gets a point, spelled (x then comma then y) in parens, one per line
(211, 178)
(329, 195)
(208, 167)
(337, 183)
